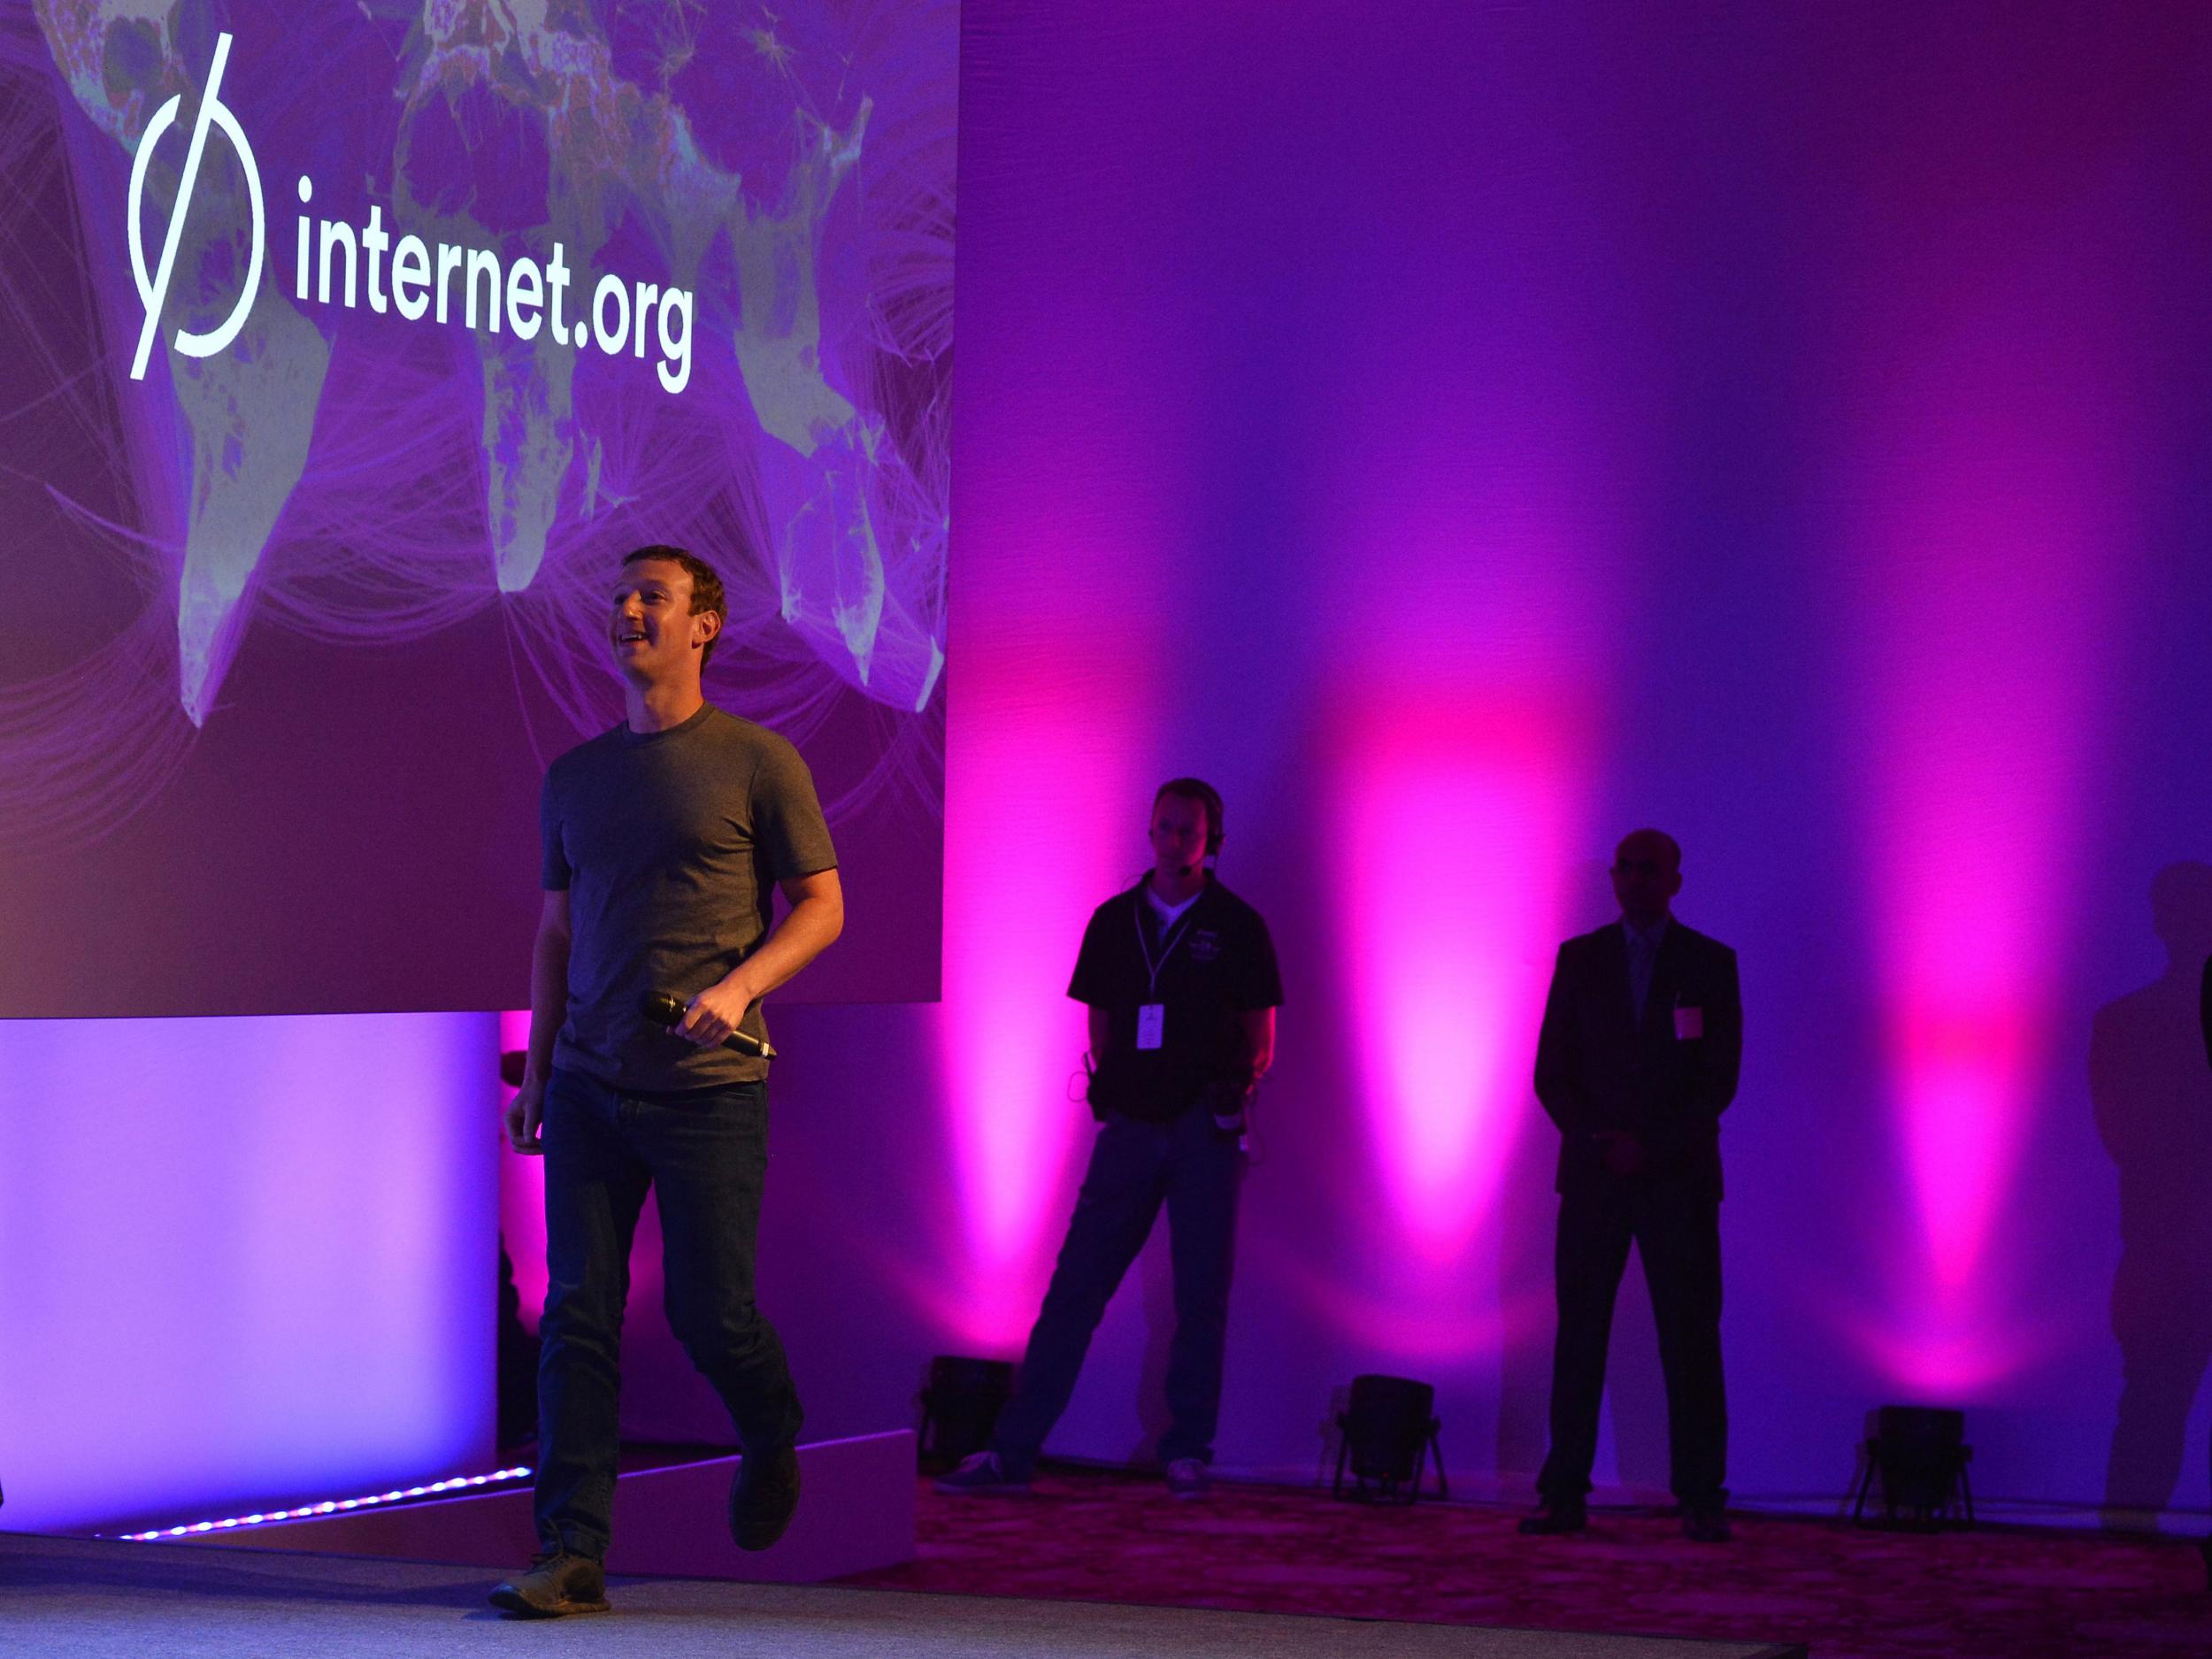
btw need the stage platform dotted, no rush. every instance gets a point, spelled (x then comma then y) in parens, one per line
(1845, 1592)
(85, 1599)
(855, 1515)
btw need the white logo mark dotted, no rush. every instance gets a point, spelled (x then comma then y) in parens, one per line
(155, 291)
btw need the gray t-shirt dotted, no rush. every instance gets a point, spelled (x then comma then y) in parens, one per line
(670, 845)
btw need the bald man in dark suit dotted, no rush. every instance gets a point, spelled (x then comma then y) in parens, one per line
(1641, 1043)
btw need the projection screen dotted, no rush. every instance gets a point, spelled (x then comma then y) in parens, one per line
(344, 348)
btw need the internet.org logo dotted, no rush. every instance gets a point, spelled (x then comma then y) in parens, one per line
(518, 296)
(154, 290)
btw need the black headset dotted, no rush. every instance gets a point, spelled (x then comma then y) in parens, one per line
(1207, 796)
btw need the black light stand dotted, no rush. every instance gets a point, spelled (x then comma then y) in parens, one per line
(1920, 1453)
(960, 1400)
(1389, 1431)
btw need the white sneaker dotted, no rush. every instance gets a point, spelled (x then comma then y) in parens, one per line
(1186, 1479)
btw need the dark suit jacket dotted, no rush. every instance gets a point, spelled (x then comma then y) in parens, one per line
(1597, 1070)
(2204, 1007)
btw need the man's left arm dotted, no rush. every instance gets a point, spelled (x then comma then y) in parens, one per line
(1257, 989)
(1259, 1039)
(2204, 1008)
(1722, 1063)
(816, 918)
(1707, 1082)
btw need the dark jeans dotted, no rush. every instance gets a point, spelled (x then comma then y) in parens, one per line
(706, 1153)
(1135, 1167)
(1678, 1234)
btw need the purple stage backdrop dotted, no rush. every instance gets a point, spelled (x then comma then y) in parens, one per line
(1464, 432)
(347, 347)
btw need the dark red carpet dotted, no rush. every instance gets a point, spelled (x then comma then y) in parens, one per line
(2009, 1593)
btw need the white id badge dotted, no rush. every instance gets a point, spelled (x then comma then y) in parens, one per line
(1151, 1024)
(1689, 1024)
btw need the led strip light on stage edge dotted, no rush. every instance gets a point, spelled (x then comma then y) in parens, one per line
(337, 1506)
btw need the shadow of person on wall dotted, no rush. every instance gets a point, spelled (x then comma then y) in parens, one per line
(2152, 1088)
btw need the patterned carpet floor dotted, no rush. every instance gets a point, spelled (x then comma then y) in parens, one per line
(1849, 1593)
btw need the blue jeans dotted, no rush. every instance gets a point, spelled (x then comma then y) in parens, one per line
(1195, 1171)
(706, 1153)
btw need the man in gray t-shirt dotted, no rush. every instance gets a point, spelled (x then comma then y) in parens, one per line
(666, 840)
(670, 845)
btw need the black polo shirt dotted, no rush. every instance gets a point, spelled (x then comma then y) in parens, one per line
(1214, 963)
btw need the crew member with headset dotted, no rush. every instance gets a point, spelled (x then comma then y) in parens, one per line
(1179, 976)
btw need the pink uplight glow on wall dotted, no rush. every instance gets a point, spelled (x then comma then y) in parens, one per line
(1068, 521)
(1994, 547)
(1013, 1038)
(1457, 807)
(1933, 1353)
(1045, 818)
(1394, 1324)
(1962, 1074)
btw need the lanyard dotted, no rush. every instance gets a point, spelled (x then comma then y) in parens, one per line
(1167, 945)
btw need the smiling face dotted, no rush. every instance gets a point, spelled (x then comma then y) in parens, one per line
(656, 634)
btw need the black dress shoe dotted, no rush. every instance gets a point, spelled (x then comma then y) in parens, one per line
(764, 1497)
(1553, 1519)
(1705, 1526)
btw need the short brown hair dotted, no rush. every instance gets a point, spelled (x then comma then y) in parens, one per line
(706, 587)
(1200, 794)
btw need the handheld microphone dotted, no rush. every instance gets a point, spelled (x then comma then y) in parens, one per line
(666, 1008)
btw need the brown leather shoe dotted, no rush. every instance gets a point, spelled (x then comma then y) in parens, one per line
(557, 1585)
